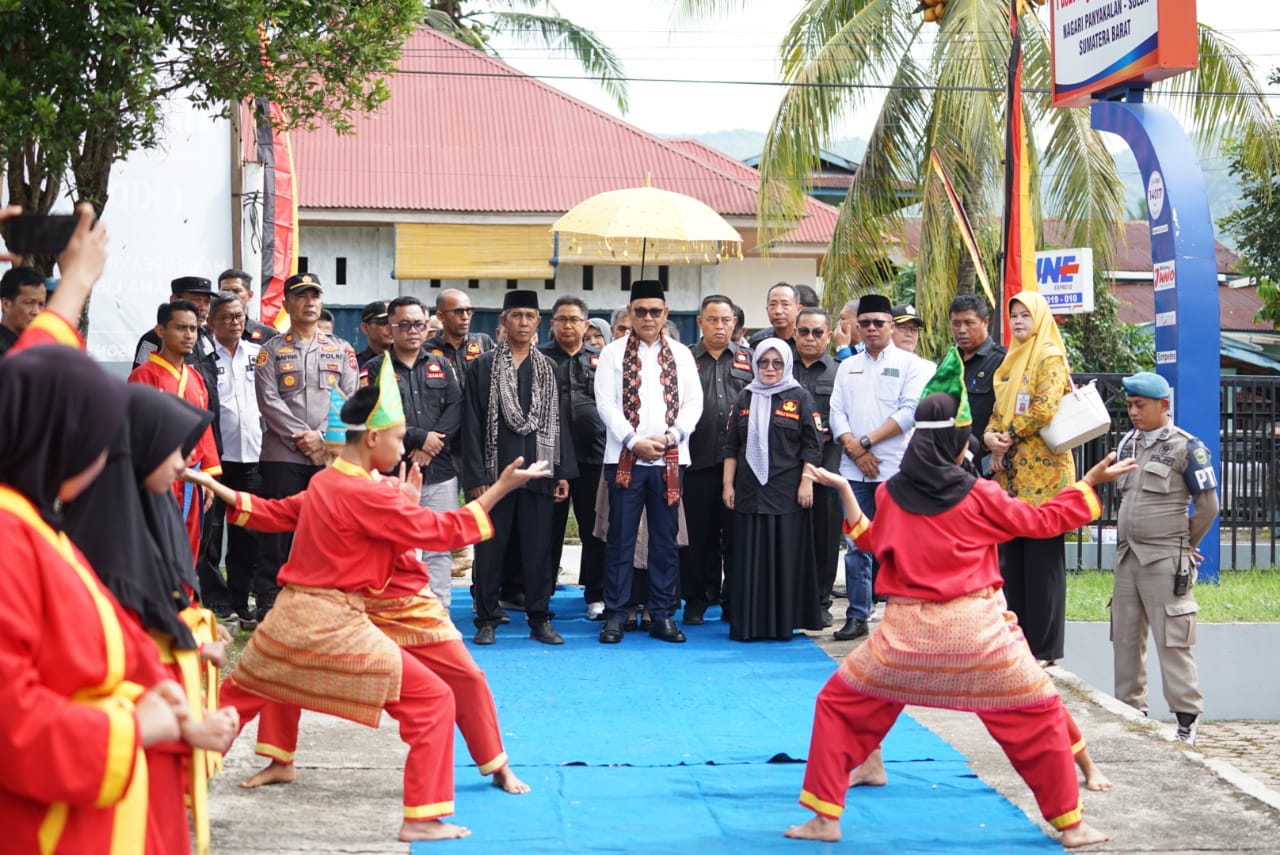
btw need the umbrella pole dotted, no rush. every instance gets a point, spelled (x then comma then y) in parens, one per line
(644, 242)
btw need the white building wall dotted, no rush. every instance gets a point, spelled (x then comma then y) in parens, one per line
(369, 251)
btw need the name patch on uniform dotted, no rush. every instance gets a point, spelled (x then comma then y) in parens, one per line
(891, 372)
(434, 371)
(742, 359)
(787, 414)
(333, 366)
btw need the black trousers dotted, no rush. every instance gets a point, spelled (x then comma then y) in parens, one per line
(705, 562)
(529, 514)
(279, 481)
(828, 519)
(582, 495)
(646, 493)
(1035, 585)
(244, 569)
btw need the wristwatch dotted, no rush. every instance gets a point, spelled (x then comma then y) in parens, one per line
(671, 441)
(865, 442)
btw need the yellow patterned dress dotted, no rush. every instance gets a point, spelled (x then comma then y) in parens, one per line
(1034, 474)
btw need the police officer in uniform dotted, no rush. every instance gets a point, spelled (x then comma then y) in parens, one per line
(294, 374)
(1156, 553)
(375, 325)
(815, 370)
(433, 415)
(576, 375)
(724, 369)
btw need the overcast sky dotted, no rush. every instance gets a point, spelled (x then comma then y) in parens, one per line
(743, 47)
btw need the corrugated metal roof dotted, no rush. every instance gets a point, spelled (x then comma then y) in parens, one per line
(819, 222)
(464, 132)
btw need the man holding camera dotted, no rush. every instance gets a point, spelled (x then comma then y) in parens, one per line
(1156, 552)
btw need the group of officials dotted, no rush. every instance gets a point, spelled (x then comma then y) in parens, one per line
(633, 429)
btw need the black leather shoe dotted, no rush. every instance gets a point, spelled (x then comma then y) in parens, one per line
(484, 635)
(694, 614)
(853, 628)
(545, 633)
(666, 630)
(611, 632)
(825, 616)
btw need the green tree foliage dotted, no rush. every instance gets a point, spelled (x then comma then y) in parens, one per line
(85, 84)
(1253, 224)
(530, 23)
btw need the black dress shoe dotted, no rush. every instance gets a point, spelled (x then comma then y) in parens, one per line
(666, 630)
(611, 632)
(825, 616)
(484, 635)
(545, 633)
(694, 614)
(853, 628)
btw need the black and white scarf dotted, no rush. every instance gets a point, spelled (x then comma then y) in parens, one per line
(504, 399)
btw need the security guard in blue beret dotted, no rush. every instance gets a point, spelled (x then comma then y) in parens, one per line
(1156, 552)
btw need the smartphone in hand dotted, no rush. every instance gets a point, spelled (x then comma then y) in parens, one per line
(40, 234)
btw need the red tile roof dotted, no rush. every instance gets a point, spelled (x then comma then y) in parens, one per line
(466, 133)
(1236, 306)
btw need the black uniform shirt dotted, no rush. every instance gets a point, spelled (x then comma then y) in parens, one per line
(818, 380)
(577, 378)
(8, 338)
(979, 377)
(461, 358)
(258, 333)
(432, 403)
(366, 356)
(722, 380)
(793, 442)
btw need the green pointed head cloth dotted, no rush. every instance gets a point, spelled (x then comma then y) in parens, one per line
(949, 379)
(389, 411)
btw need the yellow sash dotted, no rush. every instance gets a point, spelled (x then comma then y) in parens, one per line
(114, 696)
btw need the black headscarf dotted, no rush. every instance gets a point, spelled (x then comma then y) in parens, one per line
(135, 538)
(58, 412)
(929, 480)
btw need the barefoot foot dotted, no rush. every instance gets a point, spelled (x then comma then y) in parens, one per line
(275, 773)
(1082, 835)
(871, 773)
(432, 829)
(1094, 780)
(818, 828)
(507, 780)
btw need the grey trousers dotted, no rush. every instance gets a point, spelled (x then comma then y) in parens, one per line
(1143, 601)
(440, 497)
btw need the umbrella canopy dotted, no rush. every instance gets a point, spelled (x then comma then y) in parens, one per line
(645, 223)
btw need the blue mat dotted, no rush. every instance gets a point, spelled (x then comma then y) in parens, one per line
(654, 747)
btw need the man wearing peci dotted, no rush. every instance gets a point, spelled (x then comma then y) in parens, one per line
(650, 400)
(724, 370)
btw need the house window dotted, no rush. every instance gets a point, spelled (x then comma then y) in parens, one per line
(664, 275)
(512, 283)
(548, 284)
(473, 283)
(302, 264)
(626, 278)
(588, 278)
(435, 283)
(340, 274)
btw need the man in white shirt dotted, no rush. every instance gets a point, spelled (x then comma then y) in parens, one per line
(650, 399)
(241, 443)
(873, 409)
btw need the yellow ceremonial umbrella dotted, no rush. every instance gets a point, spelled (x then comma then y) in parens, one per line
(658, 225)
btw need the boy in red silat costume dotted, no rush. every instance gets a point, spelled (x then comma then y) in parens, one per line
(947, 639)
(318, 649)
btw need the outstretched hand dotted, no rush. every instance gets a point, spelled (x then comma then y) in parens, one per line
(516, 476)
(822, 476)
(1106, 470)
(411, 483)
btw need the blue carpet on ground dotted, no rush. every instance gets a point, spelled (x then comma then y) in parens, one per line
(648, 747)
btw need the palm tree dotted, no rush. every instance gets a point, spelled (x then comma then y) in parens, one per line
(944, 90)
(527, 22)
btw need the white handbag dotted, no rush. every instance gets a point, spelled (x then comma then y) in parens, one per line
(1081, 416)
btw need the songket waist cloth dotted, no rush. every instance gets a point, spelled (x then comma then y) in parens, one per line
(412, 620)
(965, 654)
(317, 649)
